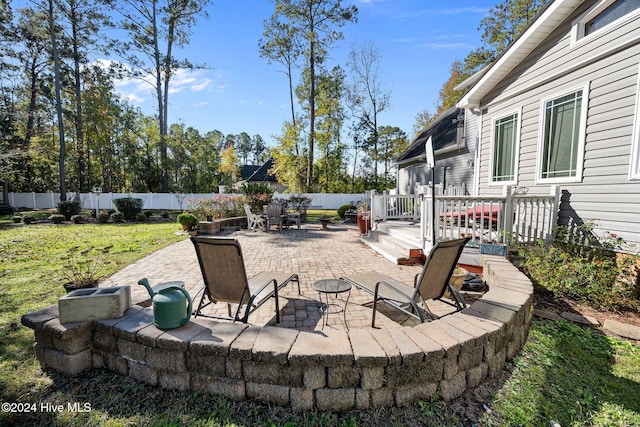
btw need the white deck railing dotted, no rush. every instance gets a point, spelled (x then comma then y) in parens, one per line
(487, 219)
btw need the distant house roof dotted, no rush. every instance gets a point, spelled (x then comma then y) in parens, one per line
(444, 132)
(258, 173)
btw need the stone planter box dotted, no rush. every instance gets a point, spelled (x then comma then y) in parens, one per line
(83, 305)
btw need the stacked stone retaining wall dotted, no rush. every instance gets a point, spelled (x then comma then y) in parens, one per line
(329, 370)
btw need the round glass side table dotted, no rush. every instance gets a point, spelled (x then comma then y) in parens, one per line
(332, 286)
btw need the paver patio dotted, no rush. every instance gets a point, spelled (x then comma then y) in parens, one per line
(312, 252)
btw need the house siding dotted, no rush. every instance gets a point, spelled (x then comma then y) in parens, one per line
(610, 64)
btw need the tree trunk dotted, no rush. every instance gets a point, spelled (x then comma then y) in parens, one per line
(56, 74)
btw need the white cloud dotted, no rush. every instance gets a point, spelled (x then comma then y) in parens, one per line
(201, 104)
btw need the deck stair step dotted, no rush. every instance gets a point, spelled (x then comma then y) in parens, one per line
(398, 240)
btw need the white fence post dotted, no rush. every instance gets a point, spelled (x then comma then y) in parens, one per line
(508, 214)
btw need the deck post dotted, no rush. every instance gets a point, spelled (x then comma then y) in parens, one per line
(555, 206)
(508, 214)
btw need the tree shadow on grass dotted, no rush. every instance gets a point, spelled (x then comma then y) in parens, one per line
(570, 374)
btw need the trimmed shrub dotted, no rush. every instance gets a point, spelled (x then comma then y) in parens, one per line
(117, 217)
(164, 214)
(68, 208)
(79, 219)
(129, 207)
(16, 219)
(344, 208)
(56, 218)
(141, 217)
(148, 214)
(103, 218)
(28, 219)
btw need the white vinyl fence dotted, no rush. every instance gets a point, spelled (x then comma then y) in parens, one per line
(163, 201)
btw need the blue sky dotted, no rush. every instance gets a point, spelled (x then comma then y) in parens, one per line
(241, 92)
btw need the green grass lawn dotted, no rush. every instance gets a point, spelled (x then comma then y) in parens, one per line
(573, 375)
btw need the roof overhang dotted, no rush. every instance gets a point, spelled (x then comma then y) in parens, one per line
(546, 22)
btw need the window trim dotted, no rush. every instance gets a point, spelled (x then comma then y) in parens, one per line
(634, 160)
(514, 181)
(578, 36)
(581, 135)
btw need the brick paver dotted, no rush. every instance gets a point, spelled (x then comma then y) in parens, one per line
(311, 252)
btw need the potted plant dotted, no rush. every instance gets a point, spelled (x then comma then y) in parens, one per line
(188, 221)
(325, 220)
(84, 268)
(364, 218)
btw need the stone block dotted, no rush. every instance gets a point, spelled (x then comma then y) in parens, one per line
(174, 381)
(216, 338)
(410, 352)
(342, 377)
(429, 346)
(314, 377)
(301, 399)
(272, 373)
(330, 348)
(69, 331)
(143, 373)
(36, 319)
(335, 399)
(428, 371)
(115, 363)
(44, 338)
(366, 351)
(70, 364)
(105, 341)
(172, 361)
(133, 321)
(132, 350)
(83, 305)
(450, 389)
(148, 335)
(234, 368)
(382, 398)
(39, 350)
(97, 359)
(211, 365)
(229, 388)
(626, 330)
(272, 393)
(474, 376)
(388, 344)
(178, 339)
(372, 378)
(273, 344)
(410, 394)
(496, 362)
(363, 399)
(579, 318)
(242, 347)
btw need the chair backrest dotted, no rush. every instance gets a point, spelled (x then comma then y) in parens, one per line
(247, 210)
(274, 212)
(432, 282)
(222, 267)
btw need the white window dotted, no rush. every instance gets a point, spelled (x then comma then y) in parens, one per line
(562, 134)
(634, 170)
(506, 140)
(604, 14)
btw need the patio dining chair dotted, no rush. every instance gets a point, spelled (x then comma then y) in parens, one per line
(254, 222)
(226, 281)
(275, 215)
(430, 284)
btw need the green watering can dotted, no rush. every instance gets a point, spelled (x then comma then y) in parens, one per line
(171, 305)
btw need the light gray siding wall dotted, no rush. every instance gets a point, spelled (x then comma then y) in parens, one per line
(610, 64)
